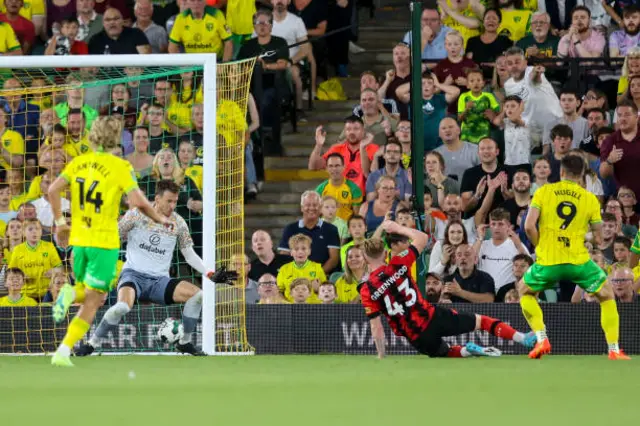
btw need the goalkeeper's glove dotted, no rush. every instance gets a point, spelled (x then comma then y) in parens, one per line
(222, 276)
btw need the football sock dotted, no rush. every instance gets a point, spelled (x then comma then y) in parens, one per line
(532, 313)
(500, 329)
(109, 321)
(458, 352)
(76, 331)
(610, 321)
(190, 316)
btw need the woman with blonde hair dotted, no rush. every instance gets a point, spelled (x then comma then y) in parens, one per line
(166, 166)
(355, 269)
(630, 67)
(374, 211)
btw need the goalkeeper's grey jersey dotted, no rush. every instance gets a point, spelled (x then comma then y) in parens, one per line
(150, 245)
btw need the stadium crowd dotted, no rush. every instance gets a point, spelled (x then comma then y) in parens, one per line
(498, 117)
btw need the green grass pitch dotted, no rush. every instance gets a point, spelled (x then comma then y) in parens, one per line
(319, 390)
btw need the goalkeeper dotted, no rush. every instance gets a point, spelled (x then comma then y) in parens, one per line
(145, 275)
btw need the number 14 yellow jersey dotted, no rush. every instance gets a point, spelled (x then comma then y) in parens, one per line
(98, 181)
(566, 211)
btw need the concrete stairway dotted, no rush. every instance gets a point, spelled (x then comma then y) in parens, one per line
(287, 177)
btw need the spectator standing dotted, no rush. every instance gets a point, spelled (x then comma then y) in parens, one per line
(392, 168)
(357, 151)
(560, 14)
(458, 155)
(90, 21)
(347, 193)
(436, 97)
(201, 29)
(569, 103)
(156, 35)
(476, 108)
(291, 28)
(375, 117)
(488, 168)
(517, 138)
(436, 181)
(540, 44)
(325, 241)
(497, 253)
(368, 80)
(485, 48)
(432, 35)
(267, 261)
(629, 35)
(398, 76)
(24, 29)
(516, 20)
(541, 103)
(314, 15)
(453, 69)
(620, 152)
(468, 284)
(118, 39)
(461, 16)
(240, 16)
(340, 15)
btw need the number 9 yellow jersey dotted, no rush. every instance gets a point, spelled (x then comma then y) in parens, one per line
(98, 181)
(566, 212)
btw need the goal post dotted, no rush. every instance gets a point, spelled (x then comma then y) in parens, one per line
(225, 91)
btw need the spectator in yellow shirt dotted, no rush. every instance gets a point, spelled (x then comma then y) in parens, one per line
(14, 281)
(9, 44)
(355, 268)
(186, 155)
(11, 145)
(327, 293)
(36, 258)
(300, 290)
(301, 267)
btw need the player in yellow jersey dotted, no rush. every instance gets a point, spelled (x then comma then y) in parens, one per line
(557, 222)
(97, 182)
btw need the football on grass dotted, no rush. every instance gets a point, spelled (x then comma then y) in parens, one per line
(170, 331)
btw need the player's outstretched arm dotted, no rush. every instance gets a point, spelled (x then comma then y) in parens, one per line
(418, 238)
(377, 331)
(137, 199)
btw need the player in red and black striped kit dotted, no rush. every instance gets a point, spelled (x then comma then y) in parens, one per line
(390, 291)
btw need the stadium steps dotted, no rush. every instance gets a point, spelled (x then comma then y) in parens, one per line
(287, 177)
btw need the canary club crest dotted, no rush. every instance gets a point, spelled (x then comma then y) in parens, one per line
(209, 27)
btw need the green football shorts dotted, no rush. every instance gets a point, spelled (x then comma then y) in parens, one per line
(588, 276)
(95, 267)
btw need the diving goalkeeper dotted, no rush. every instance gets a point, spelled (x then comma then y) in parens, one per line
(145, 275)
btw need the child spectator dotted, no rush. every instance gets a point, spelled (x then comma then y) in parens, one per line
(355, 269)
(300, 290)
(59, 141)
(6, 214)
(357, 228)
(405, 218)
(36, 258)
(517, 138)
(476, 109)
(541, 173)
(512, 296)
(327, 293)
(301, 267)
(436, 98)
(621, 251)
(521, 262)
(14, 281)
(66, 43)
(329, 210)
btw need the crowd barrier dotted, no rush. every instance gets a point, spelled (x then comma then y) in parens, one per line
(317, 329)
